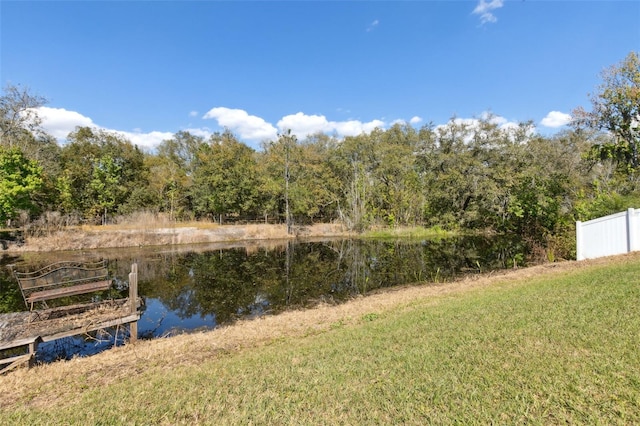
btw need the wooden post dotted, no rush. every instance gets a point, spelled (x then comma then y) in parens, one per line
(133, 301)
(33, 348)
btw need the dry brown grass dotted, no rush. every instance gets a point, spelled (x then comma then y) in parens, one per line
(142, 234)
(56, 384)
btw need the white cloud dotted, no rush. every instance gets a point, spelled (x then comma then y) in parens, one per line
(413, 120)
(473, 124)
(373, 25)
(304, 125)
(239, 121)
(556, 119)
(59, 122)
(355, 127)
(202, 132)
(148, 140)
(485, 8)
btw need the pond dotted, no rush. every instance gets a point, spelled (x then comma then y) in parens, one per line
(205, 286)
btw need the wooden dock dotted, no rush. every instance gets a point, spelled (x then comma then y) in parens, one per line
(28, 329)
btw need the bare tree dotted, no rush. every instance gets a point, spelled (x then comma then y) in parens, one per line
(18, 115)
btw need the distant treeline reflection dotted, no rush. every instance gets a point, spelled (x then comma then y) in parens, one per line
(233, 283)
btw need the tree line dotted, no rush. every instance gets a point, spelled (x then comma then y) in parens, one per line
(463, 175)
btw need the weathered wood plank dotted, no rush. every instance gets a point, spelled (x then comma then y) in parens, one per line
(74, 290)
(19, 342)
(15, 361)
(91, 327)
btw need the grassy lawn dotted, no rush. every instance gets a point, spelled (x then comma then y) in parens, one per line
(557, 348)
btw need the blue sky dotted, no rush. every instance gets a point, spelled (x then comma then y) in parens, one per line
(149, 69)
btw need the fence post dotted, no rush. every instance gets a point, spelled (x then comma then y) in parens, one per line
(579, 251)
(633, 230)
(133, 301)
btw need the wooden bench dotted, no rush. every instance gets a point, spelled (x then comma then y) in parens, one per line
(62, 279)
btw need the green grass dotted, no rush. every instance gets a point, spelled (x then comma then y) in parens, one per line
(408, 232)
(551, 350)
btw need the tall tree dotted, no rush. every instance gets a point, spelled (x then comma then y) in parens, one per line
(289, 142)
(616, 109)
(106, 185)
(315, 191)
(20, 126)
(90, 154)
(353, 162)
(225, 180)
(398, 190)
(173, 169)
(278, 170)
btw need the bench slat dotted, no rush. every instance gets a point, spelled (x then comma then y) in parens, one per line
(39, 296)
(52, 280)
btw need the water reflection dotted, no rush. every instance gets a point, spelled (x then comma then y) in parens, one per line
(205, 287)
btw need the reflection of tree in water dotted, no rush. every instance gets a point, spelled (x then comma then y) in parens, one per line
(10, 295)
(233, 283)
(226, 283)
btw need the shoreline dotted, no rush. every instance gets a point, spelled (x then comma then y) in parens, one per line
(113, 236)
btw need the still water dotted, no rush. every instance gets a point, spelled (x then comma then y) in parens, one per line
(201, 287)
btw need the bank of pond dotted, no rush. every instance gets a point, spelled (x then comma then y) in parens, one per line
(200, 287)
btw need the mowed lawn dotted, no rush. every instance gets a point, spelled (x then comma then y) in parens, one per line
(553, 348)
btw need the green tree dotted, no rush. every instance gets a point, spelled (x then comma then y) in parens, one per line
(289, 142)
(20, 179)
(173, 169)
(277, 165)
(91, 153)
(616, 110)
(298, 179)
(455, 176)
(225, 179)
(352, 162)
(105, 185)
(397, 191)
(315, 191)
(20, 127)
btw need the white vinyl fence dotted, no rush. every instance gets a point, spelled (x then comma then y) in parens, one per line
(614, 234)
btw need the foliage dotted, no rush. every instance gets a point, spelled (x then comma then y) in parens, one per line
(20, 179)
(616, 109)
(104, 185)
(100, 170)
(172, 168)
(225, 179)
(298, 181)
(315, 186)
